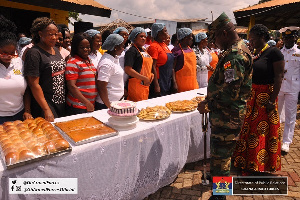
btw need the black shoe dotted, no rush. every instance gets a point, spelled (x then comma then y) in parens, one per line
(217, 197)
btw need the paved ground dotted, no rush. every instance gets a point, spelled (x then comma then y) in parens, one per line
(188, 185)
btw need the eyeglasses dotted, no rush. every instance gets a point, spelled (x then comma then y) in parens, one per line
(8, 56)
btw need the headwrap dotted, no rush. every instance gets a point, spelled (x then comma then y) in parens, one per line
(92, 32)
(156, 27)
(271, 43)
(135, 32)
(199, 37)
(217, 24)
(24, 41)
(120, 29)
(111, 41)
(183, 32)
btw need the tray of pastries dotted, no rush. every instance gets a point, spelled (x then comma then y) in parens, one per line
(198, 99)
(24, 142)
(182, 106)
(84, 130)
(154, 113)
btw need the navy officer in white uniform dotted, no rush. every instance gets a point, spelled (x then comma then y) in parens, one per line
(288, 95)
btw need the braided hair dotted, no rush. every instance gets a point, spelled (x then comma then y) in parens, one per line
(7, 32)
(39, 24)
(261, 31)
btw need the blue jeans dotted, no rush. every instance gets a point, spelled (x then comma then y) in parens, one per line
(18, 116)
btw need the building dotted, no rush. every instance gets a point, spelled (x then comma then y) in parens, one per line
(274, 14)
(23, 12)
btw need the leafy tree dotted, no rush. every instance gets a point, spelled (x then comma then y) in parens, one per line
(74, 16)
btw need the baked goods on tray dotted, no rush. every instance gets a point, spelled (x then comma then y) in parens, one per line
(123, 108)
(182, 106)
(85, 129)
(154, 113)
(30, 139)
(198, 99)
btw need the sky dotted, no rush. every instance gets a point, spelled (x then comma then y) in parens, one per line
(168, 9)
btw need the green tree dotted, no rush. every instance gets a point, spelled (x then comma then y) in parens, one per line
(74, 16)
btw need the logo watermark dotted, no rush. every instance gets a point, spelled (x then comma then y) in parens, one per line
(43, 186)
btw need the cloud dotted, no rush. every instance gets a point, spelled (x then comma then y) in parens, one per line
(168, 9)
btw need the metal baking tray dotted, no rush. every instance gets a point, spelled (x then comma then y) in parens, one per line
(89, 136)
(32, 160)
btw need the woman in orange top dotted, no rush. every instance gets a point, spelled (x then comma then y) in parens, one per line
(214, 58)
(138, 65)
(163, 60)
(185, 62)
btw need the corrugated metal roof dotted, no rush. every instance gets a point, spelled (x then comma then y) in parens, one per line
(87, 2)
(268, 4)
(90, 7)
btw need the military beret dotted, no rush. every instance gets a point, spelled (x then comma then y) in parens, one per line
(217, 24)
(288, 33)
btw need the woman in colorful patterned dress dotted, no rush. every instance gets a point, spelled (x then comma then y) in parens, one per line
(258, 148)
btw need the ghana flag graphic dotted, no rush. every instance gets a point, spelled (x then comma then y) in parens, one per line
(222, 185)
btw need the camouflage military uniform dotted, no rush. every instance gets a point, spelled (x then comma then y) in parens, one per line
(227, 94)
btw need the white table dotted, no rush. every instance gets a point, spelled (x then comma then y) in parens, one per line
(131, 165)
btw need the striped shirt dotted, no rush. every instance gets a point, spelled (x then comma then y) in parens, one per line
(84, 73)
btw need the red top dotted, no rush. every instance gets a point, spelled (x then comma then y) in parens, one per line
(158, 51)
(84, 72)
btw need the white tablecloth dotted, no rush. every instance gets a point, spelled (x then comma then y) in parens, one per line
(131, 165)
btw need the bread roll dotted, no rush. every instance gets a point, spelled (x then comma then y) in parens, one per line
(49, 147)
(17, 122)
(22, 125)
(11, 158)
(61, 144)
(39, 119)
(10, 127)
(38, 150)
(25, 134)
(8, 124)
(26, 155)
(10, 149)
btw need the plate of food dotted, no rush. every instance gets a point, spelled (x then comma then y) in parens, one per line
(182, 106)
(154, 113)
(198, 99)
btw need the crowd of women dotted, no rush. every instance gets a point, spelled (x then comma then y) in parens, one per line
(58, 76)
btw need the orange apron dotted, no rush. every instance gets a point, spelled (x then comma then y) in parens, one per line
(137, 91)
(186, 77)
(213, 63)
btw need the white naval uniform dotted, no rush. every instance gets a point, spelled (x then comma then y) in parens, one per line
(290, 87)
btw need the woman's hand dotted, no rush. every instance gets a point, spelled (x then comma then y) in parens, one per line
(90, 107)
(146, 81)
(174, 88)
(49, 115)
(27, 115)
(270, 107)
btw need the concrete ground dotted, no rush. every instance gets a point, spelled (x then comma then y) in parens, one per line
(188, 184)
